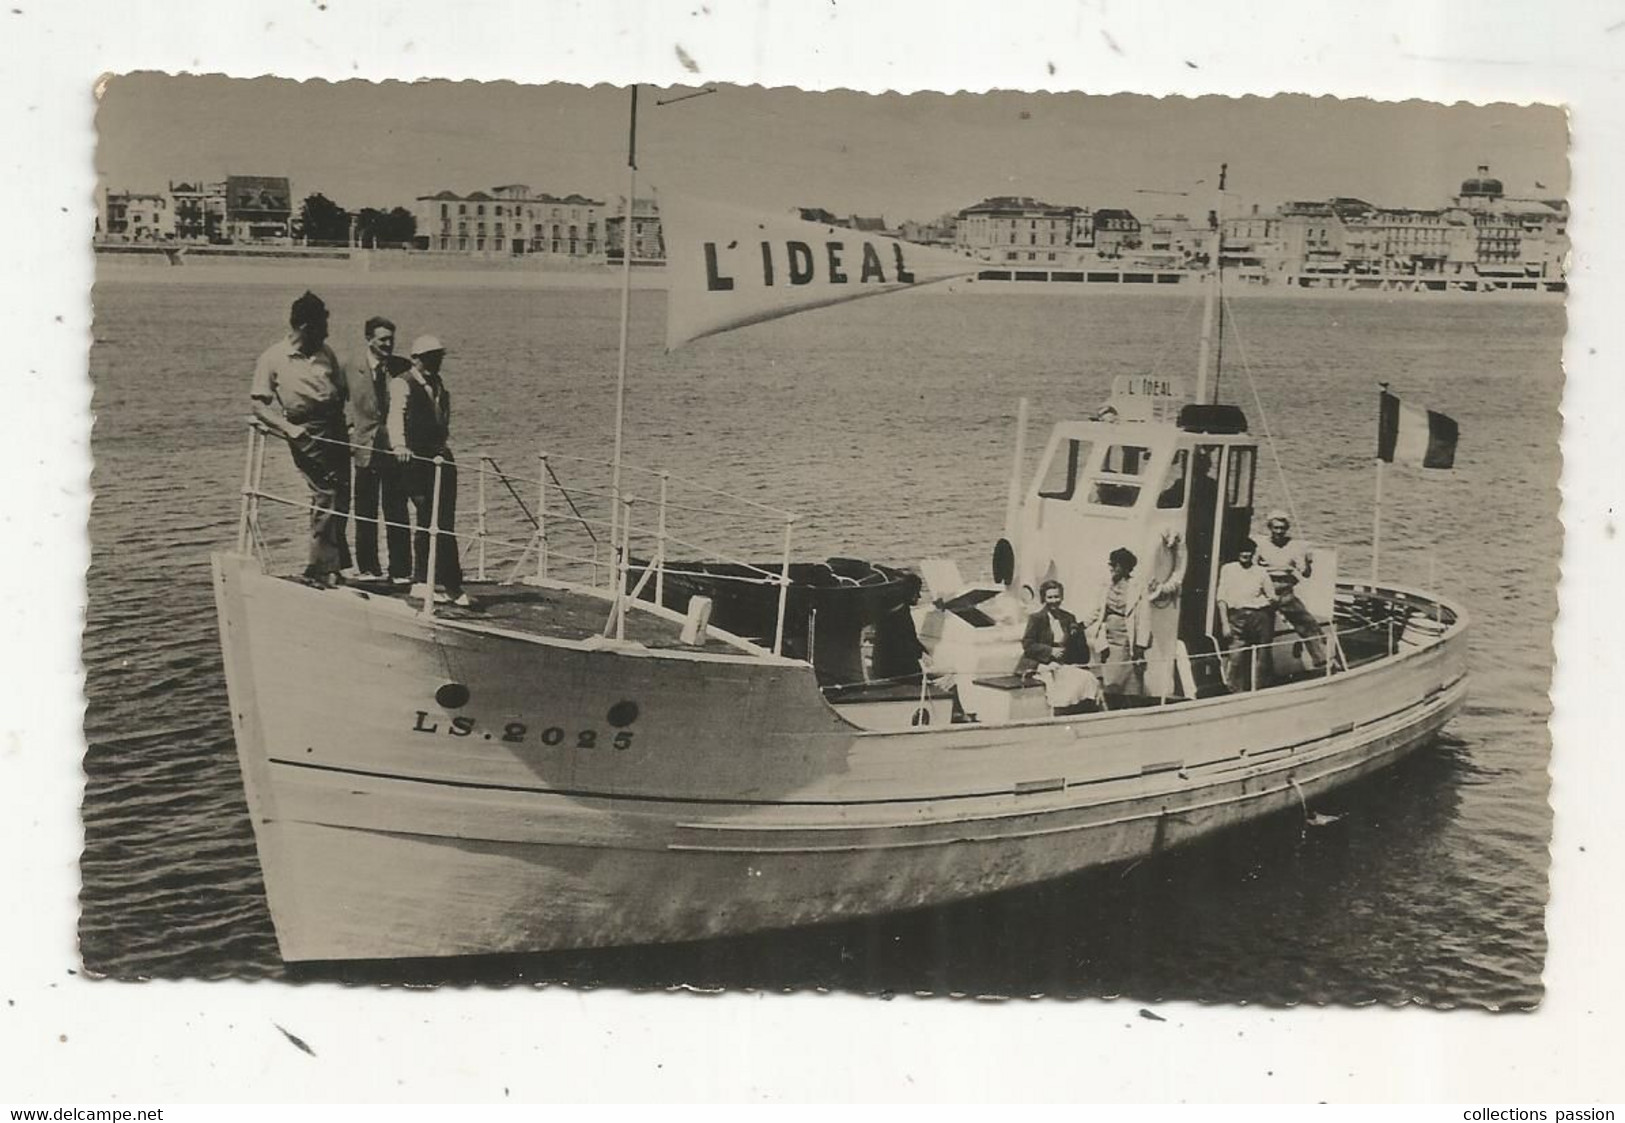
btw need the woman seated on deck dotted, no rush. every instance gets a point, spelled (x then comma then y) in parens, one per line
(1052, 634)
(1121, 629)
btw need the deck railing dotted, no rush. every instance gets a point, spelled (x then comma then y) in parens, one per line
(1417, 626)
(573, 533)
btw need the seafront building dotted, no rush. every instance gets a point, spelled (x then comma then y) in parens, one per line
(1482, 235)
(199, 210)
(1018, 228)
(648, 240)
(238, 209)
(259, 208)
(511, 220)
(136, 216)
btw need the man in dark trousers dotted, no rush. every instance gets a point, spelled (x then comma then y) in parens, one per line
(378, 476)
(299, 391)
(419, 431)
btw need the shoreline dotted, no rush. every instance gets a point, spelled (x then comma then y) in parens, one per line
(417, 273)
(340, 272)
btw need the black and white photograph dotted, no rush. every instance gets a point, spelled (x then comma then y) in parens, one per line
(812, 553)
(561, 574)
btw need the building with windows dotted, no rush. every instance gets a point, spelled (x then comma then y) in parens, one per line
(1010, 228)
(511, 220)
(240, 208)
(1514, 236)
(137, 216)
(940, 232)
(199, 210)
(259, 208)
(1116, 231)
(648, 240)
(1482, 233)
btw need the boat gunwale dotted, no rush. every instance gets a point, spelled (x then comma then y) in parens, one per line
(1191, 705)
(1299, 755)
(754, 655)
(748, 654)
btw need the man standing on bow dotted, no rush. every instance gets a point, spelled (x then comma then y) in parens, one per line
(1288, 561)
(299, 391)
(378, 476)
(419, 432)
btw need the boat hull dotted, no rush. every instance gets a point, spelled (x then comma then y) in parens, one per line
(739, 802)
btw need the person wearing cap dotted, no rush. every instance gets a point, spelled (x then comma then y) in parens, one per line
(1288, 561)
(1245, 598)
(299, 390)
(420, 431)
(378, 479)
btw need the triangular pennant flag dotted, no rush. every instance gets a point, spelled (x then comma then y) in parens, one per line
(727, 268)
(1415, 436)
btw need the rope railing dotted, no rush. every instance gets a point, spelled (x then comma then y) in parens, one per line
(1337, 660)
(550, 524)
(551, 527)
(677, 478)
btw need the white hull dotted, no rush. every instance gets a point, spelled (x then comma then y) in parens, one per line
(741, 801)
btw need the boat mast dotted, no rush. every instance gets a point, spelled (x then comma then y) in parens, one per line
(626, 308)
(1216, 222)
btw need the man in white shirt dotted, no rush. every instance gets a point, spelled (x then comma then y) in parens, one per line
(1288, 561)
(1246, 622)
(298, 392)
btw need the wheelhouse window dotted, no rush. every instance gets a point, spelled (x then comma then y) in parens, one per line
(1061, 474)
(1238, 489)
(1172, 495)
(1117, 484)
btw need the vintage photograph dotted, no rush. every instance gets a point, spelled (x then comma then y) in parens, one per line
(1007, 545)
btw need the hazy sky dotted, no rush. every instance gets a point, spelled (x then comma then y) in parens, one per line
(367, 144)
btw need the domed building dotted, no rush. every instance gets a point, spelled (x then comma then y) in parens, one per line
(1480, 188)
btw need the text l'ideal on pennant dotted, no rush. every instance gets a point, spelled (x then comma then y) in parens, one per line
(727, 268)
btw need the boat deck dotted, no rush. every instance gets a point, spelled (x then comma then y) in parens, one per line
(551, 611)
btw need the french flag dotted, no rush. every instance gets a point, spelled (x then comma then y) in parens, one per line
(1415, 436)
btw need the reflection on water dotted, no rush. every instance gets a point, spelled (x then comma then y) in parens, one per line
(888, 425)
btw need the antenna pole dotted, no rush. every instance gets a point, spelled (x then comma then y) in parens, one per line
(1012, 505)
(1376, 506)
(626, 310)
(1216, 224)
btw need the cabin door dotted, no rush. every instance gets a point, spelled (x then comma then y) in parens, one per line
(1201, 534)
(1218, 519)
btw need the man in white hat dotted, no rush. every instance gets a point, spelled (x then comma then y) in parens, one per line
(420, 431)
(1289, 561)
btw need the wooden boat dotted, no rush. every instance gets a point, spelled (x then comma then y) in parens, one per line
(575, 764)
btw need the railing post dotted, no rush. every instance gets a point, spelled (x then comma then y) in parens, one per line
(248, 490)
(660, 543)
(350, 516)
(257, 485)
(784, 588)
(541, 516)
(434, 537)
(625, 567)
(480, 531)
